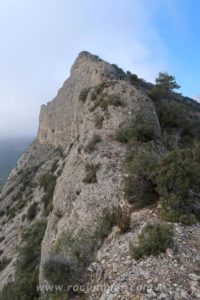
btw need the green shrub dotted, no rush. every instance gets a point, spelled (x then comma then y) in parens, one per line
(103, 100)
(94, 96)
(138, 130)
(83, 94)
(156, 94)
(11, 212)
(142, 131)
(99, 88)
(144, 159)
(9, 291)
(27, 177)
(77, 247)
(20, 204)
(139, 191)
(4, 262)
(120, 73)
(90, 176)
(72, 254)
(115, 100)
(172, 215)
(133, 79)
(153, 240)
(188, 219)
(69, 259)
(178, 184)
(32, 211)
(123, 135)
(165, 84)
(23, 217)
(172, 114)
(27, 266)
(177, 116)
(2, 238)
(107, 100)
(48, 182)
(105, 224)
(30, 250)
(139, 185)
(13, 209)
(2, 213)
(81, 247)
(48, 205)
(59, 270)
(186, 141)
(178, 121)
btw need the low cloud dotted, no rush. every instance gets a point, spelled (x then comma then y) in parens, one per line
(40, 40)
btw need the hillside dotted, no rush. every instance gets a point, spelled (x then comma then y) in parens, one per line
(10, 152)
(104, 204)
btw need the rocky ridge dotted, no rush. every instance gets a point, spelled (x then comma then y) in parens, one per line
(68, 128)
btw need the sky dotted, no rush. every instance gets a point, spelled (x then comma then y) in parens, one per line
(40, 39)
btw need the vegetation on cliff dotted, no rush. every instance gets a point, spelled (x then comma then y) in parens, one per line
(165, 170)
(153, 240)
(27, 266)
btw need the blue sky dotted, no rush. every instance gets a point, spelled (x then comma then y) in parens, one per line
(40, 40)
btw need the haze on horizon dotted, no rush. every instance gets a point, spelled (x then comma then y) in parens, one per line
(41, 39)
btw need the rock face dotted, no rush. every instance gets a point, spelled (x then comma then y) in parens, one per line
(74, 127)
(71, 135)
(60, 119)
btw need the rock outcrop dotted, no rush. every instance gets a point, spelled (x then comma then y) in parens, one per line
(72, 135)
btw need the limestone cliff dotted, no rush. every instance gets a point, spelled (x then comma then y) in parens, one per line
(73, 134)
(60, 119)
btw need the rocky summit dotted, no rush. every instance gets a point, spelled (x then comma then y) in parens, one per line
(98, 206)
